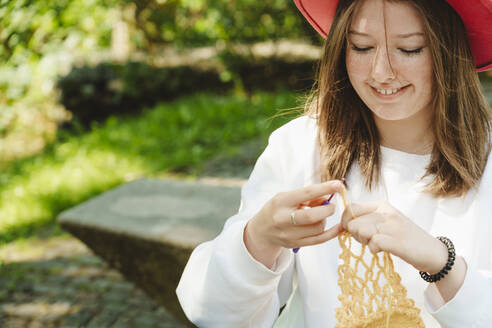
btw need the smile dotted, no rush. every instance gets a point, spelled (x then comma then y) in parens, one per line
(389, 93)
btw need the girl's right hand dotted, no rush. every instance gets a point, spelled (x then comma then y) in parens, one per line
(272, 228)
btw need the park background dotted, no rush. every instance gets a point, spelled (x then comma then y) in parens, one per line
(94, 94)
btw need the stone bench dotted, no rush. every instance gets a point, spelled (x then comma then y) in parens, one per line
(147, 229)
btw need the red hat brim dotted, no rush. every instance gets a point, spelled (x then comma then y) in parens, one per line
(476, 15)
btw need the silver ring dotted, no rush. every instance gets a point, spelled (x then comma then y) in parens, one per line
(292, 214)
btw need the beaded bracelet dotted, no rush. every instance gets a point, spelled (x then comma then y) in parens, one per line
(451, 256)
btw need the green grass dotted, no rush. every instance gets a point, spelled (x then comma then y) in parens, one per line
(176, 137)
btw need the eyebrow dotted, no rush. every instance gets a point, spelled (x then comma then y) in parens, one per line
(403, 36)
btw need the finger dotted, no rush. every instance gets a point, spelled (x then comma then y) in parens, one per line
(313, 214)
(298, 196)
(362, 231)
(381, 243)
(369, 218)
(322, 237)
(359, 209)
(303, 231)
(362, 208)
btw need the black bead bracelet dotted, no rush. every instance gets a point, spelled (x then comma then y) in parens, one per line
(451, 256)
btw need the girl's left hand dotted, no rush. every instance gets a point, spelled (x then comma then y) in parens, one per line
(382, 227)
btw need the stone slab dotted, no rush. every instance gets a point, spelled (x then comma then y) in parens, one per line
(147, 229)
(180, 212)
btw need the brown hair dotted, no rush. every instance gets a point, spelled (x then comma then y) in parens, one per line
(461, 119)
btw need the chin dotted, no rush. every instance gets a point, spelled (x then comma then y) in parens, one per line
(390, 115)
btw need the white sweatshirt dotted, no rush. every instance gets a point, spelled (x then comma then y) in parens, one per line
(224, 286)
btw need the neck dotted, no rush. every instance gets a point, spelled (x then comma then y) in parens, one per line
(411, 135)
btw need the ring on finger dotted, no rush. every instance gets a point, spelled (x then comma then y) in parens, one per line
(292, 217)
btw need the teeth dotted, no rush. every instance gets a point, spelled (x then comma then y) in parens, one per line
(387, 92)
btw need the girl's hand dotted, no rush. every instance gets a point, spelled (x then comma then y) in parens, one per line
(272, 228)
(383, 228)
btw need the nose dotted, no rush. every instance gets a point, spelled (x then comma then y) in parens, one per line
(382, 72)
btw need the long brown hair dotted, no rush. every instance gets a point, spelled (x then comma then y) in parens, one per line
(461, 120)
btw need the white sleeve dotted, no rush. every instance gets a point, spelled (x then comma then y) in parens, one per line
(222, 284)
(472, 304)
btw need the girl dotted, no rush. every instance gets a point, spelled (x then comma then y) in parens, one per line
(399, 112)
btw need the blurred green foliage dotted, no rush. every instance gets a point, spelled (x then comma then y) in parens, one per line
(32, 28)
(204, 22)
(179, 136)
(38, 41)
(42, 39)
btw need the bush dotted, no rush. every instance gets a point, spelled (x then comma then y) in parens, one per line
(94, 93)
(268, 73)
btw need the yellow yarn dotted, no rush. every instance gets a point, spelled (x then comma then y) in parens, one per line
(383, 306)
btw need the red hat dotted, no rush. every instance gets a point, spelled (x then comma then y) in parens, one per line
(476, 14)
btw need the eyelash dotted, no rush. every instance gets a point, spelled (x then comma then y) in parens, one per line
(407, 52)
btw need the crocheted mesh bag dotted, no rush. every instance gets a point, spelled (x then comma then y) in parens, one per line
(364, 302)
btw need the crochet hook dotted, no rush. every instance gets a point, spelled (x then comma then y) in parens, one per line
(326, 202)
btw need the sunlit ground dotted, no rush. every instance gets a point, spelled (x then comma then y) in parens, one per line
(58, 282)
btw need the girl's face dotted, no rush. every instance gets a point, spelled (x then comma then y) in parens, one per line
(388, 60)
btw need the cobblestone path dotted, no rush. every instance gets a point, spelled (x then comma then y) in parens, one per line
(58, 282)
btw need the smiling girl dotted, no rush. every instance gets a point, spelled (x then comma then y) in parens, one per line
(399, 113)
